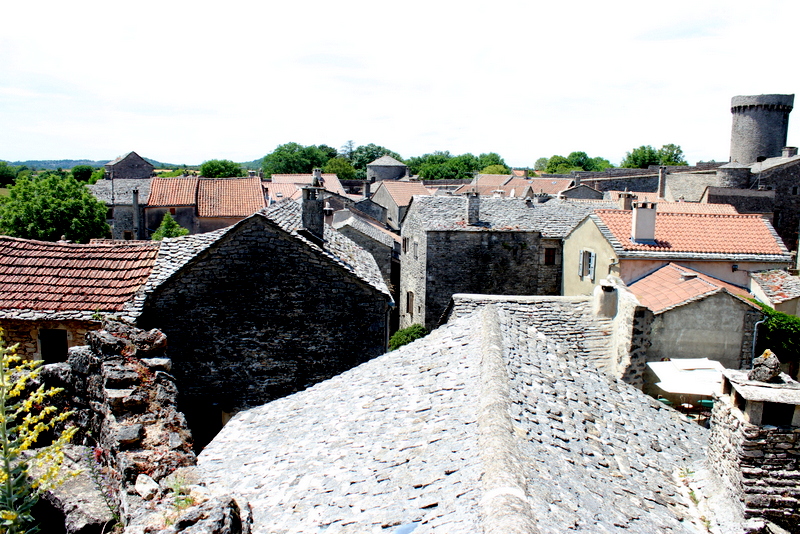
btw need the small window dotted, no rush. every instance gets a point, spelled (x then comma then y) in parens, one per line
(549, 256)
(795, 190)
(416, 250)
(110, 213)
(53, 345)
(405, 245)
(172, 211)
(586, 263)
(127, 235)
(410, 303)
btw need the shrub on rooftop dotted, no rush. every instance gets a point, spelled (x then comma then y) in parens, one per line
(404, 336)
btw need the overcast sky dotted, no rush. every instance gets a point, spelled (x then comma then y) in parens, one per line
(183, 82)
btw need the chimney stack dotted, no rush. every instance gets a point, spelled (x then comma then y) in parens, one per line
(473, 207)
(789, 151)
(366, 189)
(605, 299)
(643, 223)
(312, 214)
(135, 201)
(662, 182)
(625, 200)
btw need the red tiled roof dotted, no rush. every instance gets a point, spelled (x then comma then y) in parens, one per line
(178, 191)
(551, 186)
(329, 181)
(401, 192)
(695, 207)
(45, 276)
(698, 233)
(278, 192)
(229, 197)
(491, 180)
(673, 285)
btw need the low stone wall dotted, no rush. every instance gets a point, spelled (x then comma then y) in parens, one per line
(760, 465)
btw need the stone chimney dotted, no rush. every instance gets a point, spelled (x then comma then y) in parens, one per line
(604, 299)
(625, 200)
(643, 222)
(312, 214)
(366, 189)
(662, 182)
(473, 207)
(316, 178)
(135, 195)
(789, 151)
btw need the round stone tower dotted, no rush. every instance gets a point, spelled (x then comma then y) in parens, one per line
(760, 126)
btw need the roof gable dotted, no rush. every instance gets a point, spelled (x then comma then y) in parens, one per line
(64, 277)
(673, 285)
(329, 181)
(402, 192)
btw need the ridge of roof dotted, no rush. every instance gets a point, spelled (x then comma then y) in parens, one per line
(387, 161)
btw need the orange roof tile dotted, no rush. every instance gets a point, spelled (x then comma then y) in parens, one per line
(279, 192)
(401, 192)
(673, 285)
(491, 180)
(45, 276)
(329, 181)
(695, 207)
(697, 233)
(178, 191)
(229, 197)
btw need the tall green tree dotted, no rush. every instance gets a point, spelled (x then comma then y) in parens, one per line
(220, 168)
(671, 155)
(491, 158)
(7, 173)
(366, 154)
(341, 167)
(82, 173)
(646, 155)
(169, 227)
(49, 206)
(294, 158)
(540, 164)
(495, 169)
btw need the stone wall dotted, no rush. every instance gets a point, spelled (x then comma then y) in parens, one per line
(377, 173)
(760, 465)
(133, 166)
(379, 251)
(259, 315)
(785, 181)
(631, 337)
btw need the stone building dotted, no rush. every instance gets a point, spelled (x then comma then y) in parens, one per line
(125, 199)
(130, 166)
(395, 197)
(203, 204)
(631, 243)
(51, 294)
(263, 308)
(697, 316)
(386, 168)
(469, 244)
(507, 431)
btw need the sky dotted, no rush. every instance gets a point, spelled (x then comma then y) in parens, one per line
(183, 82)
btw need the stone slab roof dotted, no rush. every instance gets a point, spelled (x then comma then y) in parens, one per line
(696, 236)
(779, 286)
(229, 197)
(485, 425)
(550, 186)
(673, 285)
(177, 191)
(387, 161)
(554, 219)
(369, 229)
(40, 279)
(772, 163)
(786, 390)
(119, 191)
(328, 181)
(491, 180)
(402, 192)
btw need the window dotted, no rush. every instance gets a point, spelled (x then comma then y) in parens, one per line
(53, 345)
(127, 235)
(549, 256)
(586, 263)
(410, 303)
(795, 190)
(172, 211)
(416, 250)
(405, 245)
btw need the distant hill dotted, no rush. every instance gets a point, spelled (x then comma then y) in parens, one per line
(66, 164)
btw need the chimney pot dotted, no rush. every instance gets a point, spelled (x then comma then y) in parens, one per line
(473, 207)
(789, 151)
(643, 222)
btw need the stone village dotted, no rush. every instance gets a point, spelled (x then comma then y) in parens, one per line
(591, 365)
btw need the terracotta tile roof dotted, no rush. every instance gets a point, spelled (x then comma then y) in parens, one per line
(551, 186)
(695, 207)
(58, 277)
(277, 192)
(519, 172)
(493, 180)
(674, 285)
(229, 197)
(329, 181)
(695, 233)
(779, 286)
(401, 192)
(178, 191)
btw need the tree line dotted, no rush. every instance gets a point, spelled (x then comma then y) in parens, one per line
(638, 158)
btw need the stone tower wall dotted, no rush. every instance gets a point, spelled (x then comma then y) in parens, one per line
(760, 126)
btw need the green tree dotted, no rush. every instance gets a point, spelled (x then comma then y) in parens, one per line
(366, 154)
(600, 164)
(49, 206)
(671, 155)
(97, 175)
(82, 173)
(495, 169)
(24, 422)
(641, 158)
(347, 150)
(540, 164)
(168, 228)
(341, 167)
(405, 336)
(580, 160)
(294, 158)
(220, 168)
(491, 158)
(7, 173)
(560, 165)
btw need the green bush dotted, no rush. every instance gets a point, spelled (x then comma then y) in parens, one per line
(405, 336)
